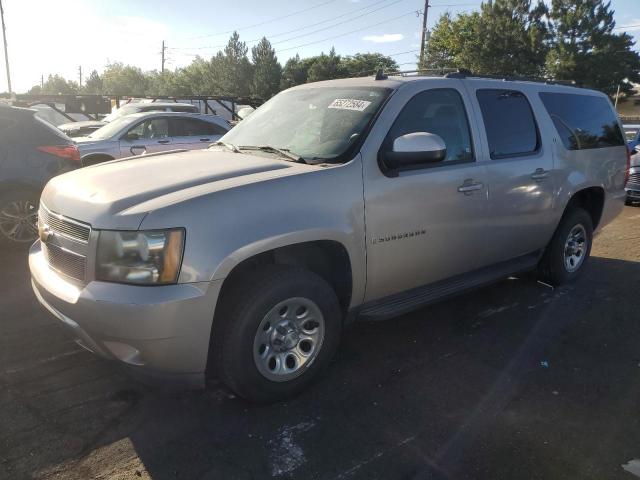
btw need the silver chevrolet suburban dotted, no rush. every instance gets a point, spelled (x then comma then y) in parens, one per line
(334, 201)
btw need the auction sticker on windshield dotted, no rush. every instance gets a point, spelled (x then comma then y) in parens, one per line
(349, 104)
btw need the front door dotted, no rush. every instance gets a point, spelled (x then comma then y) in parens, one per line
(148, 136)
(521, 174)
(427, 224)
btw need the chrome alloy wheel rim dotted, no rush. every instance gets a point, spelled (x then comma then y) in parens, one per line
(19, 221)
(575, 248)
(289, 339)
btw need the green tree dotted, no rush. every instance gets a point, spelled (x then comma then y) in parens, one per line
(365, 64)
(267, 72)
(93, 85)
(295, 72)
(55, 85)
(507, 37)
(232, 69)
(585, 48)
(120, 79)
(325, 67)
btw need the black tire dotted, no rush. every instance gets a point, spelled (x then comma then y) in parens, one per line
(243, 310)
(552, 268)
(9, 201)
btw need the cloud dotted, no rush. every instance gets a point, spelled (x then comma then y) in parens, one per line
(384, 38)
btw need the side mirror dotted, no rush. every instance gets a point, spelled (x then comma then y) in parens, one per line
(132, 136)
(415, 149)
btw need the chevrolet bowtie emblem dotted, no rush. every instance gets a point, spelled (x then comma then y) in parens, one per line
(45, 233)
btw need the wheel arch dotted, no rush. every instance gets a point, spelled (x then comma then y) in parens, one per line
(590, 199)
(94, 158)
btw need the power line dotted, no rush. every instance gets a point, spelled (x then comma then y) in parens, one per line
(255, 40)
(267, 21)
(627, 26)
(304, 27)
(413, 12)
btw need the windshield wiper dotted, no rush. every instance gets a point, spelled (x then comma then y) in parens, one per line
(228, 146)
(283, 152)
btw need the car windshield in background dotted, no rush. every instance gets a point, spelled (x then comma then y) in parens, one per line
(111, 128)
(121, 112)
(314, 123)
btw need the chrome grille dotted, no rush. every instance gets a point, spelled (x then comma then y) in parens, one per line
(634, 181)
(63, 226)
(65, 262)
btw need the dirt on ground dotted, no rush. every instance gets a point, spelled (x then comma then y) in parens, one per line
(515, 380)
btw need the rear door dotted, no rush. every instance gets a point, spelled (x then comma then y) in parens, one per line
(193, 133)
(520, 169)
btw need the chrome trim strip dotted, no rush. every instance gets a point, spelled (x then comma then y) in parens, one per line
(62, 218)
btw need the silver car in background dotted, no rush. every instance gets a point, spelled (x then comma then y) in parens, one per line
(150, 133)
(86, 127)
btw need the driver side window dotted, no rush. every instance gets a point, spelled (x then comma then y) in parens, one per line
(439, 111)
(151, 129)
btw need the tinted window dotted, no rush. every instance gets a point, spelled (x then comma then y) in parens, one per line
(509, 123)
(438, 111)
(583, 121)
(190, 127)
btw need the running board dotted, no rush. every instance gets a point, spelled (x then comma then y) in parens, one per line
(410, 300)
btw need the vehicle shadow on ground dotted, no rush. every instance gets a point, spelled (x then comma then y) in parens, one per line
(513, 380)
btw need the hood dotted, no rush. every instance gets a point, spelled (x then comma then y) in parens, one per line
(80, 125)
(118, 194)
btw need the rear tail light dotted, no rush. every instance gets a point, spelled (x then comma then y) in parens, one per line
(68, 152)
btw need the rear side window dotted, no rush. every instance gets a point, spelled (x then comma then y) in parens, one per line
(190, 127)
(583, 121)
(509, 122)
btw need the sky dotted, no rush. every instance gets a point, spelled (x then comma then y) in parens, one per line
(56, 37)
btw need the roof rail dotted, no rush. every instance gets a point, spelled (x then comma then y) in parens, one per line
(466, 73)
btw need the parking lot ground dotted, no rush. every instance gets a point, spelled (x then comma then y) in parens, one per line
(515, 380)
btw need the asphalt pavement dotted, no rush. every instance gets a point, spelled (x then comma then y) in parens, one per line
(513, 381)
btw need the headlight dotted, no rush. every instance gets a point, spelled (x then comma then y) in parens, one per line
(145, 258)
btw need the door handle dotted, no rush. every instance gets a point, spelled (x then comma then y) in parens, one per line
(163, 141)
(540, 174)
(137, 147)
(205, 140)
(469, 186)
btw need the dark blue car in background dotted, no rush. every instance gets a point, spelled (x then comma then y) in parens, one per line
(31, 153)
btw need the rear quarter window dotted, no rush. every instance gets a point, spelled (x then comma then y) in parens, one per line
(583, 121)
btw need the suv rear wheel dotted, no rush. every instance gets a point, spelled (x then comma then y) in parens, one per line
(276, 332)
(18, 218)
(569, 249)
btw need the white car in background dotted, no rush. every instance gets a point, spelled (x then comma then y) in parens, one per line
(150, 133)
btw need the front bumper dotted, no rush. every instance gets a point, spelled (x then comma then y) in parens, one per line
(160, 332)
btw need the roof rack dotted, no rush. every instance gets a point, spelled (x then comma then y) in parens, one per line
(466, 73)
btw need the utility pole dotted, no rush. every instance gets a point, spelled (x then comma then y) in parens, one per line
(424, 32)
(163, 49)
(41, 81)
(6, 54)
(80, 74)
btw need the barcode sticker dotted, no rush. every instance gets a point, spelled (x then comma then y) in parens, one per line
(349, 104)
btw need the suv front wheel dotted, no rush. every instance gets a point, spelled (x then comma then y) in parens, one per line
(275, 332)
(569, 249)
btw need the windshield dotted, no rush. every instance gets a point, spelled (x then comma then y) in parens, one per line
(314, 123)
(111, 128)
(122, 111)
